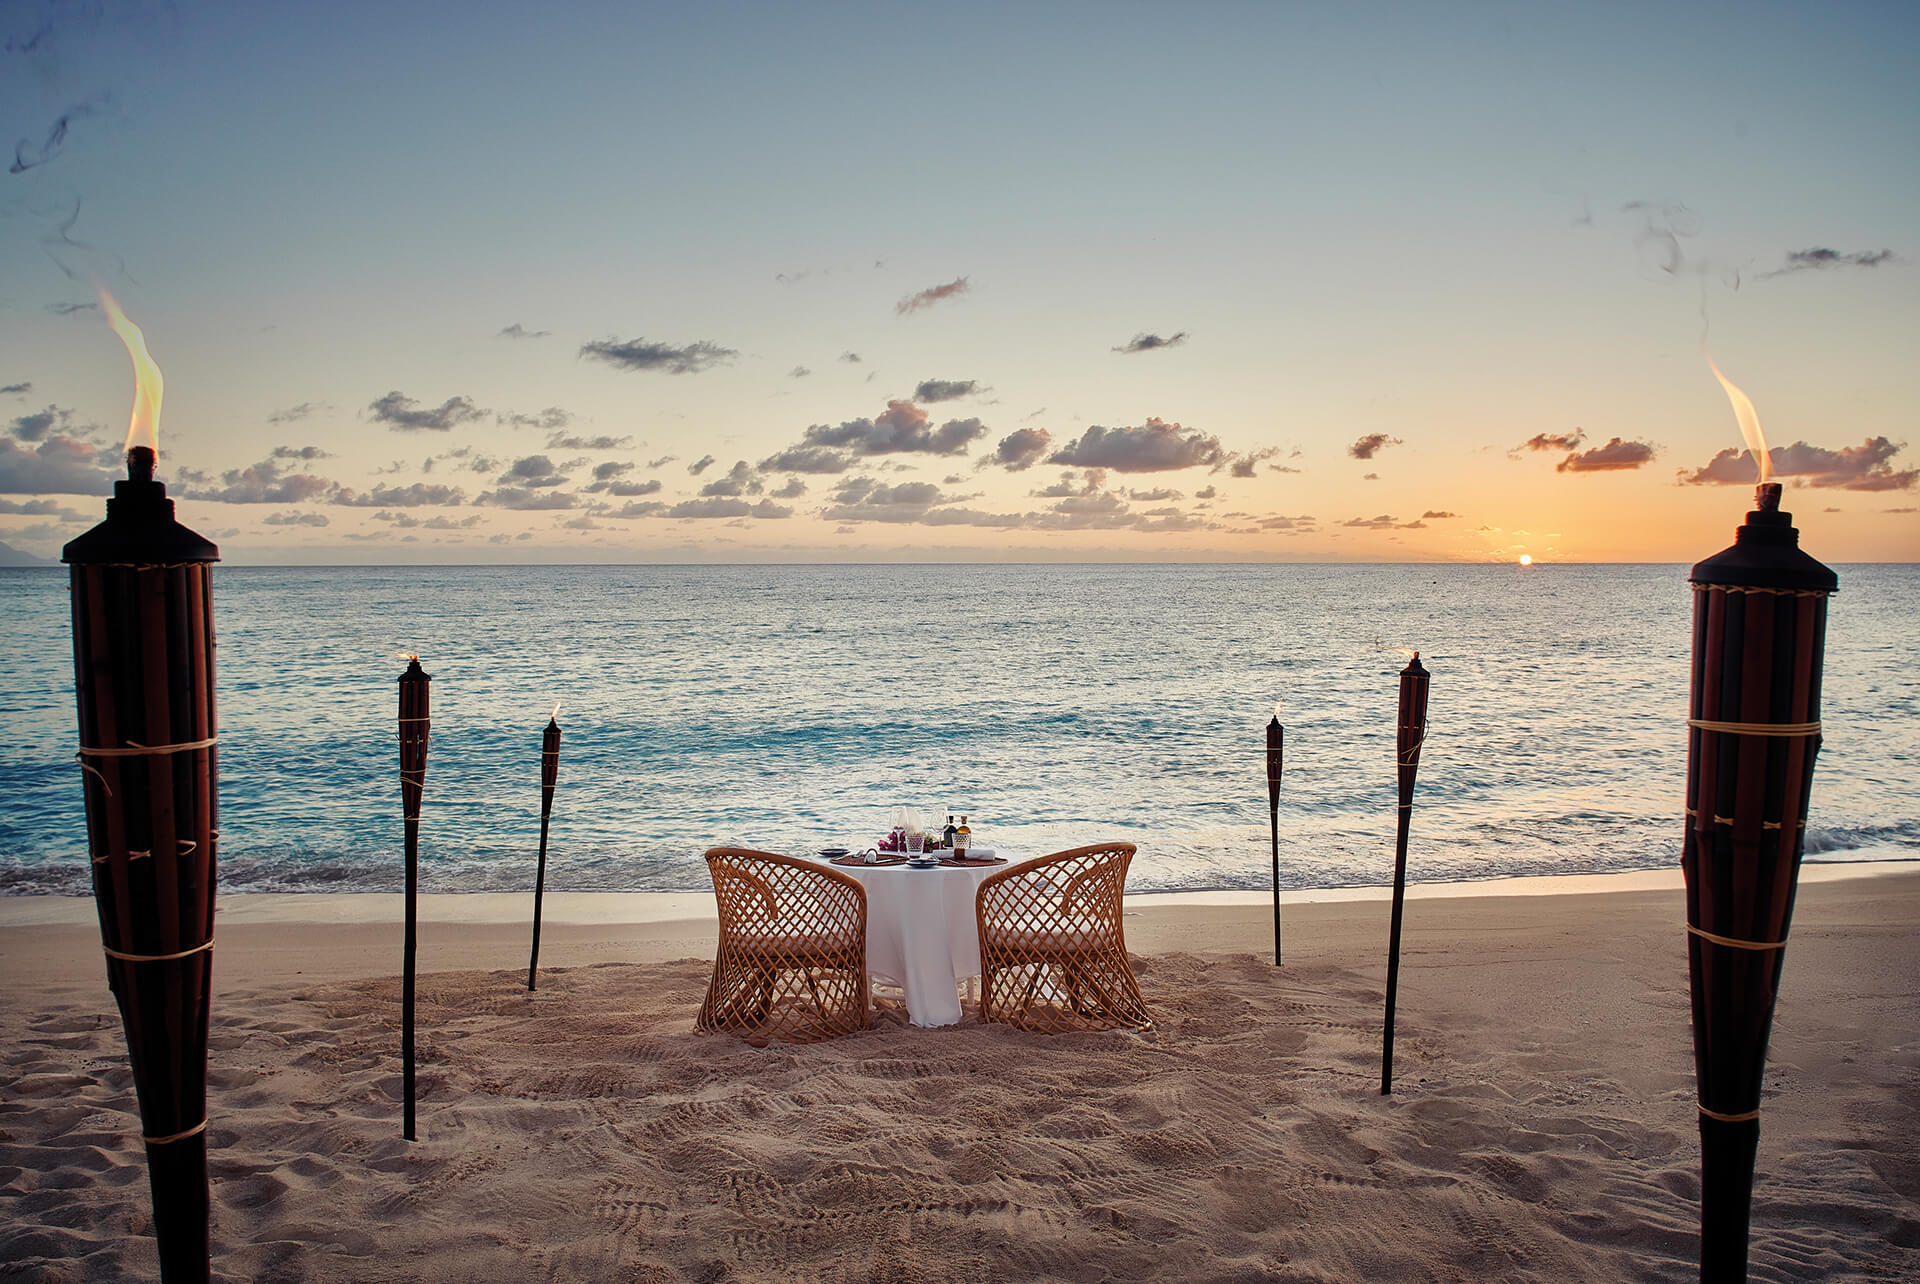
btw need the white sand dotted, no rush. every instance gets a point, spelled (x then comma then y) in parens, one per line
(1542, 1126)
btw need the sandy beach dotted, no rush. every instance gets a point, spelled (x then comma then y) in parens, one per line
(1542, 1127)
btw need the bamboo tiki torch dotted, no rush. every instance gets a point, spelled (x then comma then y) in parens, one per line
(549, 775)
(414, 725)
(142, 595)
(1276, 743)
(1759, 633)
(1412, 731)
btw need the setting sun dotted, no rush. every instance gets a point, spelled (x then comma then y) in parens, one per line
(1526, 559)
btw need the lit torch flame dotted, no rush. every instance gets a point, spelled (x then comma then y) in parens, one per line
(555, 715)
(1749, 418)
(405, 655)
(1276, 711)
(143, 429)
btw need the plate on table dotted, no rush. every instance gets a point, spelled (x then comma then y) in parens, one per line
(923, 862)
(833, 852)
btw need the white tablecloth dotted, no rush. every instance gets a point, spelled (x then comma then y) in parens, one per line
(921, 932)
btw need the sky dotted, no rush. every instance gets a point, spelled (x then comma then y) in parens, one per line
(1061, 282)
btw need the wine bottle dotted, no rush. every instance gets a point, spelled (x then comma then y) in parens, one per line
(963, 838)
(946, 835)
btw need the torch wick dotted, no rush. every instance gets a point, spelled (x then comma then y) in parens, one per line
(140, 464)
(1766, 497)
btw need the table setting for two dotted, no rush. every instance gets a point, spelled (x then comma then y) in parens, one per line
(909, 843)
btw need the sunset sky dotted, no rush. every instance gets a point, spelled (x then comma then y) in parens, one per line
(621, 282)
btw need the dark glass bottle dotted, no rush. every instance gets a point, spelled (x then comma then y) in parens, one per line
(946, 835)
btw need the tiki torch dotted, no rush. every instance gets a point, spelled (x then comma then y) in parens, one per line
(143, 682)
(549, 775)
(1412, 731)
(1759, 630)
(1276, 743)
(414, 725)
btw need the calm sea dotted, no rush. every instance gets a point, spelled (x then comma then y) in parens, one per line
(787, 707)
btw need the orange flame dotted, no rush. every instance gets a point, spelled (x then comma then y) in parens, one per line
(406, 655)
(1276, 710)
(1749, 417)
(555, 715)
(147, 383)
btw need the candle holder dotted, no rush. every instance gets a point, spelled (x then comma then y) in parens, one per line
(143, 683)
(1759, 636)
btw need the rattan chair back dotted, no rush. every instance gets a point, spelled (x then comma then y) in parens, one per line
(1053, 954)
(792, 958)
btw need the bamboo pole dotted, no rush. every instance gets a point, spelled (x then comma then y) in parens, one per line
(1276, 744)
(1411, 732)
(549, 776)
(414, 726)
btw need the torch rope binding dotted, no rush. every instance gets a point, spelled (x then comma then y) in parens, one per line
(133, 750)
(1777, 592)
(1756, 728)
(157, 958)
(1735, 941)
(194, 1131)
(1745, 1116)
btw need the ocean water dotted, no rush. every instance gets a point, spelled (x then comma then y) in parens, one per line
(787, 707)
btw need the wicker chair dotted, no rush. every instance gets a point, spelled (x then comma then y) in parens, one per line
(792, 959)
(1053, 955)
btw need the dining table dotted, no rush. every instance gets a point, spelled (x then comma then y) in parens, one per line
(922, 934)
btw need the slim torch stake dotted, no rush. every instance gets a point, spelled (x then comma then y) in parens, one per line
(1276, 742)
(414, 724)
(549, 774)
(1412, 731)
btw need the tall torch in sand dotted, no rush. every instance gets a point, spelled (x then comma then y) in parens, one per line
(414, 726)
(1759, 630)
(1276, 752)
(549, 777)
(1409, 735)
(143, 680)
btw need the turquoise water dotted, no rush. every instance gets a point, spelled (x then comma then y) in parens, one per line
(790, 706)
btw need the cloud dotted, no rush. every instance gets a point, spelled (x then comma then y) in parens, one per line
(1612, 457)
(1384, 522)
(441, 522)
(41, 508)
(526, 500)
(552, 419)
(931, 295)
(293, 414)
(296, 519)
(612, 469)
(1371, 444)
(26, 156)
(535, 472)
(697, 467)
(42, 423)
(1155, 446)
(518, 331)
(261, 483)
(652, 508)
(798, 372)
(300, 452)
(1209, 493)
(561, 441)
(16, 389)
(739, 480)
(851, 358)
(1868, 466)
(1436, 514)
(864, 500)
(1244, 465)
(806, 459)
(1020, 449)
(638, 354)
(1821, 259)
(944, 389)
(903, 428)
(627, 489)
(1149, 342)
(1555, 441)
(722, 507)
(1158, 495)
(401, 413)
(794, 489)
(417, 495)
(68, 309)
